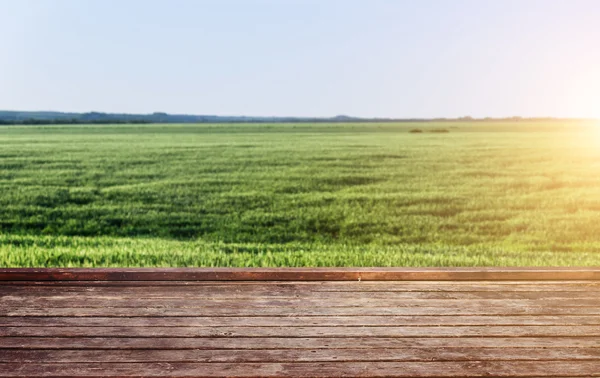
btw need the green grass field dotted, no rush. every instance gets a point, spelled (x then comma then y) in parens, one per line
(483, 194)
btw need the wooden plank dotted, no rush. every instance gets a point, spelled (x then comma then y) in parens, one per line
(302, 332)
(304, 355)
(364, 302)
(175, 292)
(223, 294)
(255, 287)
(297, 274)
(126, 343)
(296, 311)
(300, 321)
(298, 369)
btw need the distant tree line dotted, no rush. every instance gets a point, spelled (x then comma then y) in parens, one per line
(69, 121)
(58, 118)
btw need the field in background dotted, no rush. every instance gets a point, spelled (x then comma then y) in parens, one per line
(300, 195)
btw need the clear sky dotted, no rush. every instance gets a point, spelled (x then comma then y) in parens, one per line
(372, 58)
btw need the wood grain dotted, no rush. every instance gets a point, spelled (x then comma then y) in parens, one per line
(304, 355)
(249, 311)
(301, 321)
(214, 343)
(363, 302)
(302, 332)
(245, 293)
(299, 369)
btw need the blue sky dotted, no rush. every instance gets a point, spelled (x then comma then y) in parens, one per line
(373, 58)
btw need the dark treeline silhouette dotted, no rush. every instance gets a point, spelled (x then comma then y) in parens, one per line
(59, 118)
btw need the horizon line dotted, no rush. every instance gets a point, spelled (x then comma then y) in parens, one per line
(338, 116)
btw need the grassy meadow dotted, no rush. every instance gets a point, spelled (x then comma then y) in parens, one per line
(483, 194)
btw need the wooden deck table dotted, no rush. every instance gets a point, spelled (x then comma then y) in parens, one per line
(328, 322)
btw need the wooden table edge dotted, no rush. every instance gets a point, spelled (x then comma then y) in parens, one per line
(300, 274)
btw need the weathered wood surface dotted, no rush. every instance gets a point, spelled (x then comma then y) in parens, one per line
(300, 274)
(300, 323)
